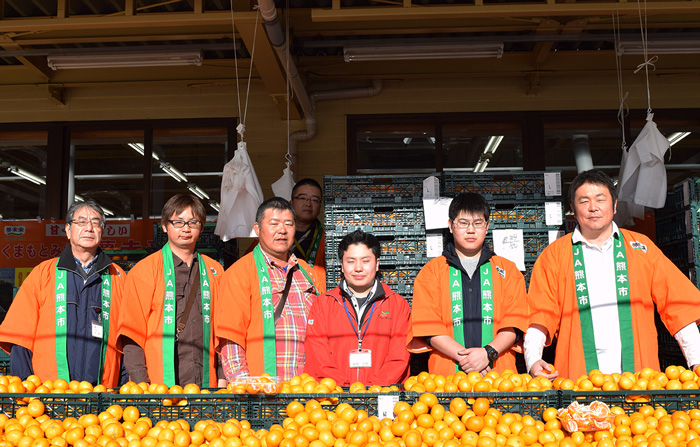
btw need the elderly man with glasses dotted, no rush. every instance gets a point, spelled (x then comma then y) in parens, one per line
(63, 322)
(469, 305)
(169, 303)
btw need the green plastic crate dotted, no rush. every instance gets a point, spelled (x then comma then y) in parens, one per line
(630, 400)
(532, 403)
(57, 406)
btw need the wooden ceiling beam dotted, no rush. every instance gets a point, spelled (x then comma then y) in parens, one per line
(501, 10)
(185, 20)
(269, 69)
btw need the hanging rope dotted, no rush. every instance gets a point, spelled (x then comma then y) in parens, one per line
(241, 126)
(623, 110)
(288, 155)
(647, 62)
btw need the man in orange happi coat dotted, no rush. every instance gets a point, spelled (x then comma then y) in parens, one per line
(160, 344)
(63, 321)
(469, 305)
(595, 290)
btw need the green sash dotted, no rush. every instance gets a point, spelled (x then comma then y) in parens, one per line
(62, 321)
(624, 310)
(310, 257)
(169, 317)
(268, 310)
(486, 304)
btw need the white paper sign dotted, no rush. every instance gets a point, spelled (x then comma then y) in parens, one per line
(552, 184)
(555, 234)
(431, 187)
(553, 214)
(385, 406)
(433, 243)
(436, 212)
(509, 244)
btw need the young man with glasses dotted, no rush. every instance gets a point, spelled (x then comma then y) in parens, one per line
(63, 322)
(469, 305)
(169, 303)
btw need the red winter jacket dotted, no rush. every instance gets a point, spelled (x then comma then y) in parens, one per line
(330, 337)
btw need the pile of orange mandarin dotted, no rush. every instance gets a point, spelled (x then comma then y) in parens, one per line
(672, 378)
(426, 423)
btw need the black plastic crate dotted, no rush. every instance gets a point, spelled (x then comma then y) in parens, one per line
(521, 215)
(500, 186)
(260, 410)
(534, 241)
(56, 406)
(531, 403)
(399, 279)
(681, 196)
(684, 252)
(390, 220)
(676, 226)
(371, 189)
(631, 401)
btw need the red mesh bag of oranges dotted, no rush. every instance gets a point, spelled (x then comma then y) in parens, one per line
(254, 385)
(593, 417)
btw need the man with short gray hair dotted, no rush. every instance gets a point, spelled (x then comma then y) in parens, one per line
(62, 323)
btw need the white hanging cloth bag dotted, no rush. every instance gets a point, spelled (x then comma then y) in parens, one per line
(284, 185)
(241, 196)
(643, 174)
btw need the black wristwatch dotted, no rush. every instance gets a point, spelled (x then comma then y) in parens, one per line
(491, 353)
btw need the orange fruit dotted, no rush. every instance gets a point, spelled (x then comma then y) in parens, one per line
(480, 406)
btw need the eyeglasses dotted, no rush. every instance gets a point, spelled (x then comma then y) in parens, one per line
(83, 222)
(313, 199)
(463, 224)
(194, 223)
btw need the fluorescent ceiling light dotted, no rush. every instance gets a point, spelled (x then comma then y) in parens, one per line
(431, 139)
(676, 137)
(214, 204)
(27, 175)
(138, 147)
(197, 191)
(79, 198)
(493, 144)
(489, 150)
(407, 141)
(662, 47)
(422, 51)
(173, 172)
(124, 59)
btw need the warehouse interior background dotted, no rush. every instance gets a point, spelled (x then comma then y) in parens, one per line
(541, 74)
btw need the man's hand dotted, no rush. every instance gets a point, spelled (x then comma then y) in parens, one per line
(473, 359)
(543, 369)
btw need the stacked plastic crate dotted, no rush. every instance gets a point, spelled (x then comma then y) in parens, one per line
(389, 207)
(528, 201)
(678, 236)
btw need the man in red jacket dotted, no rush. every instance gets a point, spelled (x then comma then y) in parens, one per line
(356, 332)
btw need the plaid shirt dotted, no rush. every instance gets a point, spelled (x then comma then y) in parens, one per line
(290, 330)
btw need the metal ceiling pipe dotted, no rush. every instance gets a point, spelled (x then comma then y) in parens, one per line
(278, 41)
(582, 152)
(310, 132)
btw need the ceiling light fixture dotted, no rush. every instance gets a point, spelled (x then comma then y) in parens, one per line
(214, 204)
(125, 59)
(173, 172)
(676, 137)
(27, 175)
(407, 140)
(489, 150)
(660, 47)
(422, 51)
(197, 191)
(138, 147)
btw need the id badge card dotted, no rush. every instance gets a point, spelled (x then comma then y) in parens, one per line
(361, 358)
(97, 329)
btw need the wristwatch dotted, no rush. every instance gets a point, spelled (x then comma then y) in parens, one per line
(491, 353)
